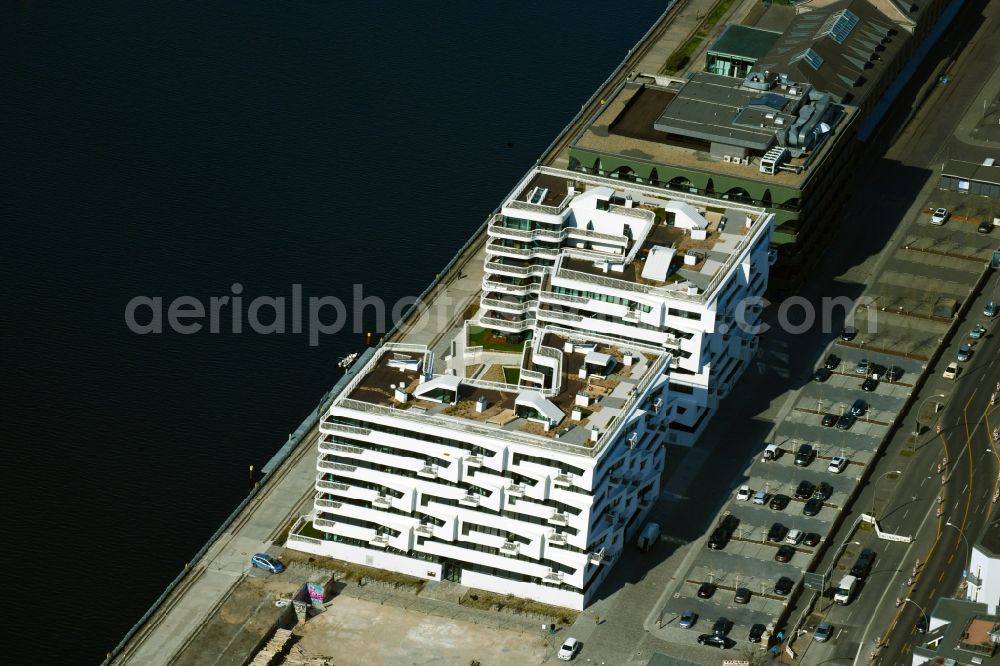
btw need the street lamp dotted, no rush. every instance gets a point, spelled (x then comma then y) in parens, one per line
(875, 487)
(967, 549)
(920, 411)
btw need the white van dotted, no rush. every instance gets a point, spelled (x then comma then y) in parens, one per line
(772, 452)
(845, 590)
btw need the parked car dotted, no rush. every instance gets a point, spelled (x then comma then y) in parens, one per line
(846, 421)
(823, 632)
(718, 539)
(832, 362)
(743, 493)
(729, 524)
(712, 640)
(688, 618)
(862, 367)
(784, 586)
(756, 632)
(760, 497)
(893, 373)
(821, 375)
(863, 564)
(804, 455)
(706, 590)
(837, 464)
(939, 216)
(985, 227)
(829, 420)
(721, 626)
(823, 490)
(804, 490)
(964, 353)
(990, 309)
(267, 563)
(784, 553)
(776, 533)
(977, 332)
(742, 595)
(870, 384)
(811, 539)
(859, 407)
(812, 507)
(951, 371)
(779, 502)
(569, 649)
(848, 334)
(794, 537)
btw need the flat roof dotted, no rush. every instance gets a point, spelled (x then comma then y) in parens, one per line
(972, 171)
(989, 542)
(743, 41)
(616, 131)
(959, 630)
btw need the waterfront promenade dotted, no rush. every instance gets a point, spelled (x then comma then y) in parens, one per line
(287, 490)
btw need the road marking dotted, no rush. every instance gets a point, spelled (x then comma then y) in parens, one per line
(924, 481)
(965, 488)
(951, 557)
(942, 574)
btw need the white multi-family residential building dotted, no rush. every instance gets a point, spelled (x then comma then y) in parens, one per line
(984, 569)
(495, 485)
(634, 262)
(527, 452)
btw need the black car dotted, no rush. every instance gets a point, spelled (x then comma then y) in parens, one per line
(777, 533)
(784, 553)
(811, 539)
(718, 539)
(863, 564)
(756, 632)
(846, 421)
(712, 640)
(848, 334)
(779, 502)
(706, 590)
(823, 491)
(832, 362)
(829, 420)
(804, 455)
(812, 507)
(721, 626)
(804, 490)
(869, 384)
(742, 595)
(784, 586)
(893, 373)
(821, 375)
(985, 226)
(923, 622)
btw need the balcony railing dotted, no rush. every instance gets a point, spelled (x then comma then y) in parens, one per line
(324, 522)
(562, 480)
(474, 461)
(510, 548)
(429, 471)
(561, 316)
(469, 499)
(498, 248)
(426, 530)
(596, 558)
(340, 427)
(328, 504)
(380, 541)
(382, 502)
(554, 576)
(559, 518)
(515, 490)
(495, 322)
(509, 306)
(336, 467)
(514, 289)
(331, 485)
(331, 447)
(567, 298)
(557, 537)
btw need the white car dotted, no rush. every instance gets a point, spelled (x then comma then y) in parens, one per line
(743, 493)
(951, 371)
(568, 649)
(939, 216)
(837, 464)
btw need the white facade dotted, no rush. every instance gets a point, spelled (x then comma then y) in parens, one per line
(638, 263)
(412, 481)
(984, 572)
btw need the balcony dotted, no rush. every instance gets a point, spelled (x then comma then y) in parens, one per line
(515, 490)
(324, 522)
(562, 480)
(553, 577)
(559, 316)
(510, 548)
(425, 530)
(331, 485)
(474, 461)
(632, 316)
(336, 467)
(469, 499)
(380, 541)
(428, 472)
(327, 504)
(557, 537)
(559, 518)
(596, 558)
(382, 502)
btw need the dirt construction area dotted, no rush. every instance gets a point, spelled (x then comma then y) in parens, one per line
(358, 632)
